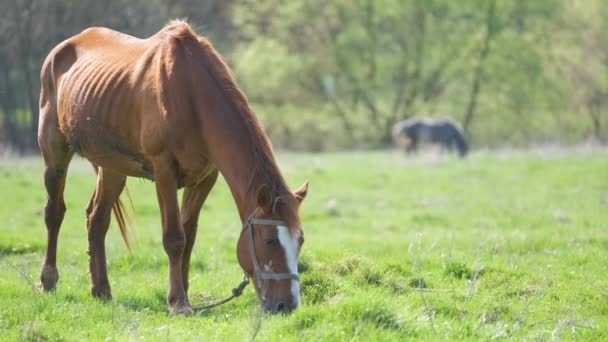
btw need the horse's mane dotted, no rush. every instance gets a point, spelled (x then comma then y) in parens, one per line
(265, 169)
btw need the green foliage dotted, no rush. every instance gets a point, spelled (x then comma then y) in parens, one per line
(457, 270)
(327, 75)
(369, 63)
(318, 287)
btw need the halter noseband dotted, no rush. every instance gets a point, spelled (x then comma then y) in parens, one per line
(257, 270)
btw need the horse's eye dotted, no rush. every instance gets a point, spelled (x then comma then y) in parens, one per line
(272, 242)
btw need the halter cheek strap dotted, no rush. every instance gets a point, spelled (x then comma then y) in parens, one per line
(257, 270)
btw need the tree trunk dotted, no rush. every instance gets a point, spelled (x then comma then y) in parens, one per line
(597, 125)
(23, 20)
(9, 109)
(478, 73)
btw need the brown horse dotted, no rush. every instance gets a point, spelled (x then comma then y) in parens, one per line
(165, 108)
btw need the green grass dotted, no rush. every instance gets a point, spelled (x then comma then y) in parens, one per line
(500, 245)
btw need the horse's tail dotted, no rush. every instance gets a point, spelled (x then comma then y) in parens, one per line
(121, 218)
(120, 213)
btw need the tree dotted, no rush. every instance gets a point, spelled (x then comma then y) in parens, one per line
(483, 55)
(580, 56)
(372, 62)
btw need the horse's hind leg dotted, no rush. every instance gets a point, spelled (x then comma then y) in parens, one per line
(108, 189)
(57, 156)
(192, 201)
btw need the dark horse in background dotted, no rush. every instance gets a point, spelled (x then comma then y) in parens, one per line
(444, 132)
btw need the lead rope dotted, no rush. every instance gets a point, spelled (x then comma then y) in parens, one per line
(236, 292)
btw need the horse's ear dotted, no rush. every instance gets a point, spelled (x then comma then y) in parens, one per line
(264, 198)
(301, 192)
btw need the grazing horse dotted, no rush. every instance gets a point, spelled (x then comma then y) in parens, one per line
(444, 132)
(165, 108)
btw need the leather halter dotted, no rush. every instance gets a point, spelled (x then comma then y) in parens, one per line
(257, 270)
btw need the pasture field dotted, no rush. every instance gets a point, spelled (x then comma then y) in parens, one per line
(508, 245)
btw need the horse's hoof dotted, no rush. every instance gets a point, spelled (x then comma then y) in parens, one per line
(181, 310)
(102, 293)
(48, 278)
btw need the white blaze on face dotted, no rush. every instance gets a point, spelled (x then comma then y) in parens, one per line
(290, 247)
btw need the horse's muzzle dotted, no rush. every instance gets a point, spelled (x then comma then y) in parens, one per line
(279, 306)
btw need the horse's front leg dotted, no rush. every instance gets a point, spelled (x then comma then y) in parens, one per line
(174, 239)
(192, 201)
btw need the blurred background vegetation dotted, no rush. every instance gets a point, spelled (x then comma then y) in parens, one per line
(337, 74)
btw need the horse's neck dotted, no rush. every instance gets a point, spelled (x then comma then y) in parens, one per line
(234, 142)
(236, 170)
(231, 151)
(240, 174)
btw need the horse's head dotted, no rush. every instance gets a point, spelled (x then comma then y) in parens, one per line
(269, 246)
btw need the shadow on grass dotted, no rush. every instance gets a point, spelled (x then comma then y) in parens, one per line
(355, 314)
(155, 302)
(32, 332)
(7, 249)
(321, 281)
